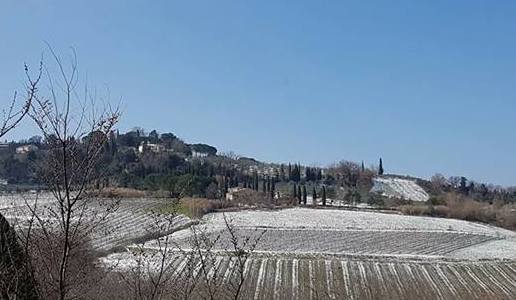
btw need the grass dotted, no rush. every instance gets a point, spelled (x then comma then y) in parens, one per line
(457, 206)
(194, 208)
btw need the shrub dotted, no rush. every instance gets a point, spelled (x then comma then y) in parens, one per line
(415, 210)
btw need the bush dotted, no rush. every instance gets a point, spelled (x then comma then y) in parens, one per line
(437, 200)
(198, 207)
(461, 207)
(415, 210)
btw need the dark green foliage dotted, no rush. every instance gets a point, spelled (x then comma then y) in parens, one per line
(16, 277)
(380, 167)
(299, 193)
(295, 173)
(294, 191)
(375, 199)
(314, 196)
(323, 196)
(304, 195)
(182, 185)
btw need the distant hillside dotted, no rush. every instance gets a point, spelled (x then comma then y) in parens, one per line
(162, 161)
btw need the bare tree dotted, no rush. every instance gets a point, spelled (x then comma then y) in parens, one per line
(13, 115)
(75, 132)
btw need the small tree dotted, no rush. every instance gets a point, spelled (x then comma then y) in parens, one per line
(76, 133)
(314, 196)
(304, 194)
(380, 167)
(299, 193)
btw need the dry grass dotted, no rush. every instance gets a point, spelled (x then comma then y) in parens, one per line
(198, 207)
(415, 210)
(464, 208)
(120, 192)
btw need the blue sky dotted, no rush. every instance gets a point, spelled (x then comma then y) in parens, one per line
(428, 85)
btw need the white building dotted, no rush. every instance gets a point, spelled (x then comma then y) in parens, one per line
(199, 154)
(156, 148)
(26, 149)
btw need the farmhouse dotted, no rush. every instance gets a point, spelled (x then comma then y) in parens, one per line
(156, 148)
(26, 149)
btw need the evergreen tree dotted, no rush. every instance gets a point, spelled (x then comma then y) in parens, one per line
(268, 184)
(299, 193)
(289, 171)
(323, 196)
(256, 181)
(264, 185)
(308, 174)
(304, 194)
(282, 172)
(380, 168)
(314, 196)
(363, 167)
(294, 191)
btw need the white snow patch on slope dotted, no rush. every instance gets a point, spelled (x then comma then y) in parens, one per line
(399, 188)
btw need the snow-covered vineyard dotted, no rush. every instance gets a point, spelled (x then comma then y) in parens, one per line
(131, 220)
(273, 277)
(320, 253)
(399, 188)
(354, 242)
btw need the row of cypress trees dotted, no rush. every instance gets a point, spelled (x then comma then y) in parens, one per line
(299, 193)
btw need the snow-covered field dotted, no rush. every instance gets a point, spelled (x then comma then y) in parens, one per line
(279, 277)
(305, 253)
(340, 232)
(399, 188)
(309, 253)
(131, 220)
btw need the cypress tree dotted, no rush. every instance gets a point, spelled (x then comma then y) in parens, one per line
(289, 171)
(323, 196)
(380, 168)
(314, 197)
(268, 184)
(264, 185)
(304, 194)
(294, 192)
(299, 193)
(255, 181)
(363, 167)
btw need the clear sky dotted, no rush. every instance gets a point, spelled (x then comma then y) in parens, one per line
(428, 85)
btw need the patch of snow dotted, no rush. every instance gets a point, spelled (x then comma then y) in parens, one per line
(399, 188)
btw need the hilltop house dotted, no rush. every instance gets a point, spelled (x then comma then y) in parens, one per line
(26, 149)
(156, 148)
(199, 154)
